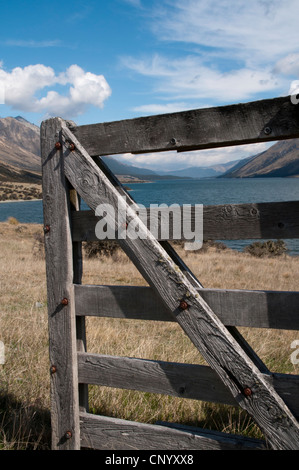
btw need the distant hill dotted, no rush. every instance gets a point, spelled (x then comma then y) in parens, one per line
(280, 160)
(203, 171)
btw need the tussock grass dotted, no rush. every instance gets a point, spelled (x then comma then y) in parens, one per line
(24, 378)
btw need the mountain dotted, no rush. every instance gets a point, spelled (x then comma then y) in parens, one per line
(203, 171)
(280, 160)
(20, 155)
(19, 150)
(122, 169)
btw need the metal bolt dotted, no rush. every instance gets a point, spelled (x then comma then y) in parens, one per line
(46, 228)
(72, 147)
(68, 435)
(247, 392)
(267, 130)
(64, 301)
(53, 369)
(58, 145)
(173, 141)
(183, 305)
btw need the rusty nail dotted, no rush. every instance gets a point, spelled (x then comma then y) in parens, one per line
(64, 301)
(247, 392)
(46, 228)
(68, 435)
(53, 369)
(267, 130)
(72, 146)
(58, 145)
(183, 305)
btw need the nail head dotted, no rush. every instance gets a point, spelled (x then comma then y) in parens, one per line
(53, 369)
(58, 145)
(267, 130)
(183, 305)
(247, 392)
(64, 301)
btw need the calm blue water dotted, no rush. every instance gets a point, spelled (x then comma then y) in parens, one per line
(203, 191)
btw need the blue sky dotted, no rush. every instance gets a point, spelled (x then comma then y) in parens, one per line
(95, 61)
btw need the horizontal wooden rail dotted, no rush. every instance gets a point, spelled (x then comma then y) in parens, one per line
(103, 433)
(258, 121)
(191, 381)
(220, 222)
(259, 309)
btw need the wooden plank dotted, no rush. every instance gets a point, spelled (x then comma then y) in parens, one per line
(192, 381)
(102, 433)
(221, 222)
(237, 371)
(245, 123)
(60, 275)
(243, 308)
(77, 279)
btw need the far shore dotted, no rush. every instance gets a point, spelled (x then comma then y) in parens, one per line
(20, 200)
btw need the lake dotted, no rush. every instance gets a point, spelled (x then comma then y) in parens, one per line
(207, 191)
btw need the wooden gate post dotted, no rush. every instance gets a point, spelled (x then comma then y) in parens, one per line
(61, 306)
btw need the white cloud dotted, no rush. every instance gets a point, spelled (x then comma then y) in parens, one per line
(24, 89)
(259, 31)
(288, 65)
(220, 52)
(161, 108)
(189, 78)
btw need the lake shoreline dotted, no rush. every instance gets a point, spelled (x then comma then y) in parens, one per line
(19, 200)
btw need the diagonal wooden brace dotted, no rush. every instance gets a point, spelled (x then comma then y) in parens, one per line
(217, 345)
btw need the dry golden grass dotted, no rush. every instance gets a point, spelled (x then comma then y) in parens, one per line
(24, 378)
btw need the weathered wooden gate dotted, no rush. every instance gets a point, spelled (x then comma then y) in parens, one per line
(72, 169)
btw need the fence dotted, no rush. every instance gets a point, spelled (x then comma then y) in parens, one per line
(210, 317)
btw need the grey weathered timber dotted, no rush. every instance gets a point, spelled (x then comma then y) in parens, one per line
(102, 433)
(220, 222)
(237, 371)
(243, 308)
(192, 381)
(77, 279)
(60, 276)
(170, 251)
(259, 121)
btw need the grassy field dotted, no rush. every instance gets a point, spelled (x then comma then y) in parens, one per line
(24, 377)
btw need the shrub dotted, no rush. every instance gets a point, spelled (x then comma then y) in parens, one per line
(12, 221)
(269, 248)
(99, 248)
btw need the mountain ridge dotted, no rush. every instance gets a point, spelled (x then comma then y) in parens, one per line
(20, 159)
(280, 160)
